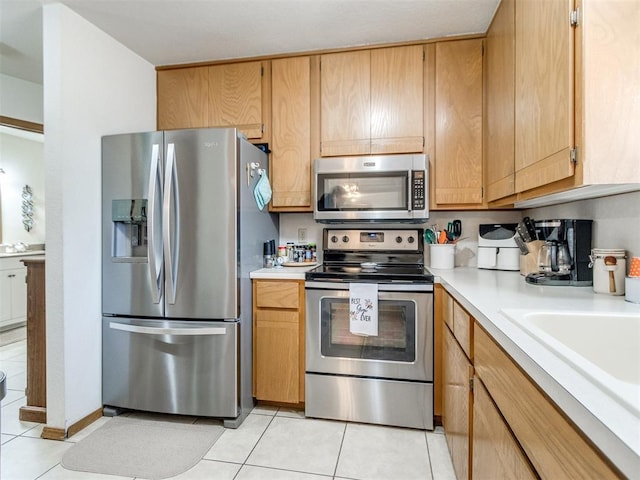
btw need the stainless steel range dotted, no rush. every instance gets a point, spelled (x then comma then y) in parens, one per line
(384, 377)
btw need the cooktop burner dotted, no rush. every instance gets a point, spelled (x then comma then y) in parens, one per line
(380, 274)
(380, 255)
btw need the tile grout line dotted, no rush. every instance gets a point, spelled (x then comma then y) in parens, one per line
(256, 444)
(344, 434)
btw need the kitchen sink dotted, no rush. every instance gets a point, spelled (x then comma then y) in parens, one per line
(610, 342)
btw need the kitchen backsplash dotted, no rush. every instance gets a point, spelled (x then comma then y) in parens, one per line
(616, 219)
(616, 224)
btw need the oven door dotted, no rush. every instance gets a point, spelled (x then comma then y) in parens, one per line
(403, 348)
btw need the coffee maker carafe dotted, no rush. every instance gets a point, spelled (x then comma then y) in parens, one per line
(554, 258)
(564, 257)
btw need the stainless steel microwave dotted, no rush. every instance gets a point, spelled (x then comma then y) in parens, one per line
(380, 188)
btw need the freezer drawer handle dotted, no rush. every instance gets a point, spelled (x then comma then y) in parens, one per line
(168, 331)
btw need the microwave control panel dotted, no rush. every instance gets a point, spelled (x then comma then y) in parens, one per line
(418, 186)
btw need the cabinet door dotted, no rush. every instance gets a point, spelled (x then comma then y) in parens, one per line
(500, 121)
(397, 100)
(291, 133)
(496, 453)
(458, 155)
(345, 101)
(18, 279)
(544, 89)
(457, 415)
(183, 98)
(235, 97)
(277, 350)
(5, 297)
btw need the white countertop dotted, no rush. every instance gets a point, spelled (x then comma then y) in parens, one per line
(283, 273)
(612, 426)
(22, 254)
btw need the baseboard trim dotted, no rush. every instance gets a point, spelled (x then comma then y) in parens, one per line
(51, 433)
(29, 413)
(84, 422)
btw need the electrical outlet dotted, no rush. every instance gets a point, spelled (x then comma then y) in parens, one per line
(302, 235)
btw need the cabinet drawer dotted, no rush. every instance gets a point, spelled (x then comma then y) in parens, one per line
(277, 294)
(554, 446)
(11, 263)
(463, 329)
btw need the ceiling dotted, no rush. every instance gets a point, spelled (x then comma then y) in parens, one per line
(166, 32)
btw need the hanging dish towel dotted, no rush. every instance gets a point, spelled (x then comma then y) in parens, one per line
(262, 191)
(363, 309)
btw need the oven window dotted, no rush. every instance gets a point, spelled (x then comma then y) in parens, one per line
(373, 191)
(396, 340)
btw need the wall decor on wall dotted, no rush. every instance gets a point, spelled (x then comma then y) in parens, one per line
(27, 208)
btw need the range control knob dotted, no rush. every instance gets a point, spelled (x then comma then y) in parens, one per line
(411, 239)
(345, 239)
(398, 239)
(334, 239)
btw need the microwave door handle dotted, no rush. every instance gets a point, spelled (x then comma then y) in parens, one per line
(409, 192)
(154, 247)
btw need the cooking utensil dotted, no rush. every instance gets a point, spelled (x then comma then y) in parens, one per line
(442, 237)
(610, 263)
(454, 230)
(429, 236)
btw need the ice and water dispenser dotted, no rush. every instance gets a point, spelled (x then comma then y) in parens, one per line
(129, 219)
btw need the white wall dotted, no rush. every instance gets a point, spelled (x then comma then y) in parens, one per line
(93, 86)
(23, 162)
(20, 99)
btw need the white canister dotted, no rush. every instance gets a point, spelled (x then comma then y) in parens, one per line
(442, 255)
(609, 270)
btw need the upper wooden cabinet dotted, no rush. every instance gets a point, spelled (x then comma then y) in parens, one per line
(235, 97)
(499, 135)
(229, 95)
(183, 98)
(544, 90)
(372, 101)
(576, 69)
(290, 165)
(458, 178)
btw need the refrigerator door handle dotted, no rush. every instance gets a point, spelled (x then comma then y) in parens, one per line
(154, 252)
(170, 224)
(168, 330)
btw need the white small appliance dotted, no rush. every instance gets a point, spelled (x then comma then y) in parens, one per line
(497, 248)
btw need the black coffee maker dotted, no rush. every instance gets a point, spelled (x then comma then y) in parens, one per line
(554, 265)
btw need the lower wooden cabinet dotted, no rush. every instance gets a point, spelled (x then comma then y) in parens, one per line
(553, 445)
(496, 453)
(457, 404)
(278, 341)
(497, 422)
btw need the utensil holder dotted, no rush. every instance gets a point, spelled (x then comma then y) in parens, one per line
(442, 255)
(529, 262)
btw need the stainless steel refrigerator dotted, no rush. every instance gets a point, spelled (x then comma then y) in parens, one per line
(181, 233)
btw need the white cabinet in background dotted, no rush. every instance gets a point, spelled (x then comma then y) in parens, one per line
(13, 292)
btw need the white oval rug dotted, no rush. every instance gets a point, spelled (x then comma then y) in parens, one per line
(142, 448)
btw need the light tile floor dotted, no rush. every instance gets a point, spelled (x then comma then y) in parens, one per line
(271, 444)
